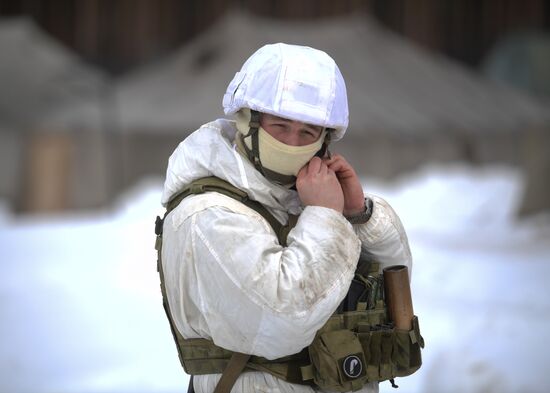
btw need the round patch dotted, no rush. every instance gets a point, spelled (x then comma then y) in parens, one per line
(352, 366)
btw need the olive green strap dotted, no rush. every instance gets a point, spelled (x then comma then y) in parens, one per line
(282, 234)
(234, 368)
(158, 247)
(207, 184)
(279, 177)
(215, 184)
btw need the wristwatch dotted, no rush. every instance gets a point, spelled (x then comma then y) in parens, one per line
(364, 216)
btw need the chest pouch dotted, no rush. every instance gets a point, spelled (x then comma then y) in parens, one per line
(360, 343)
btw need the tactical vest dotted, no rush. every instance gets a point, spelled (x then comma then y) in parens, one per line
(357, 345)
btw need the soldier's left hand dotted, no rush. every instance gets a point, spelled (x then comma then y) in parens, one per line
(354, 198)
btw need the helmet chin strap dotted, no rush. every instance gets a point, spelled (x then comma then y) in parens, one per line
(254, 153)
(324, 151)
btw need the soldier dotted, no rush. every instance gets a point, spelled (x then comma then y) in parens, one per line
(258, 257)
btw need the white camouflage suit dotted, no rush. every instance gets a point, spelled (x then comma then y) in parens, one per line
(229, 280)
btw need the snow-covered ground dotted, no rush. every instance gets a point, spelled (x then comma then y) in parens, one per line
(80, 308)
(480, 281)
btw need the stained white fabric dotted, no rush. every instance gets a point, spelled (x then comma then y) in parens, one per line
(294, 82)
(227, 277)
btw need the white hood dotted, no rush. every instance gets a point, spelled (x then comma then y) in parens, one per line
(210, 151)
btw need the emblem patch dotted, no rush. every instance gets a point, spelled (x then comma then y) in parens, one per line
(352, 366)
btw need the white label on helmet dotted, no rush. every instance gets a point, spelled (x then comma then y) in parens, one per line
(307, 92)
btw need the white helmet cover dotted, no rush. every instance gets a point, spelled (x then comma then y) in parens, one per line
(294, 82)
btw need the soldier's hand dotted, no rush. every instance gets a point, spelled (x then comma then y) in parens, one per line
(318, 185)
(354, 198)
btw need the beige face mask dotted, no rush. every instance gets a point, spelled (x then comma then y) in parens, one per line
(276, 156)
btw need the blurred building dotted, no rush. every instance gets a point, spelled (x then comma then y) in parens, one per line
(408, 106)
(118, 35)
(74, 135)
(44, 147)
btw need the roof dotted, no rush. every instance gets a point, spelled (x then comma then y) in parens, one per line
(40, 79)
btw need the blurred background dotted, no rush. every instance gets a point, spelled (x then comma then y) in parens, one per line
(449, 121)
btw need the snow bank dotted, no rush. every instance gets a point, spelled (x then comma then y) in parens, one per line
(82, 297)
(479, 282)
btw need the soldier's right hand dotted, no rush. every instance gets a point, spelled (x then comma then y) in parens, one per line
(318, 185)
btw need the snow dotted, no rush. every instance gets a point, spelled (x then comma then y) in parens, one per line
(480, 281)
(81, 309)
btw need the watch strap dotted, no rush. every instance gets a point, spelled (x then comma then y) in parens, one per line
(364, 216)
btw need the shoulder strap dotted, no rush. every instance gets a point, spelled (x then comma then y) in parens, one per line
(215, 184)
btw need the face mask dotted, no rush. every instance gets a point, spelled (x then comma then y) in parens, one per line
(276, 156)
